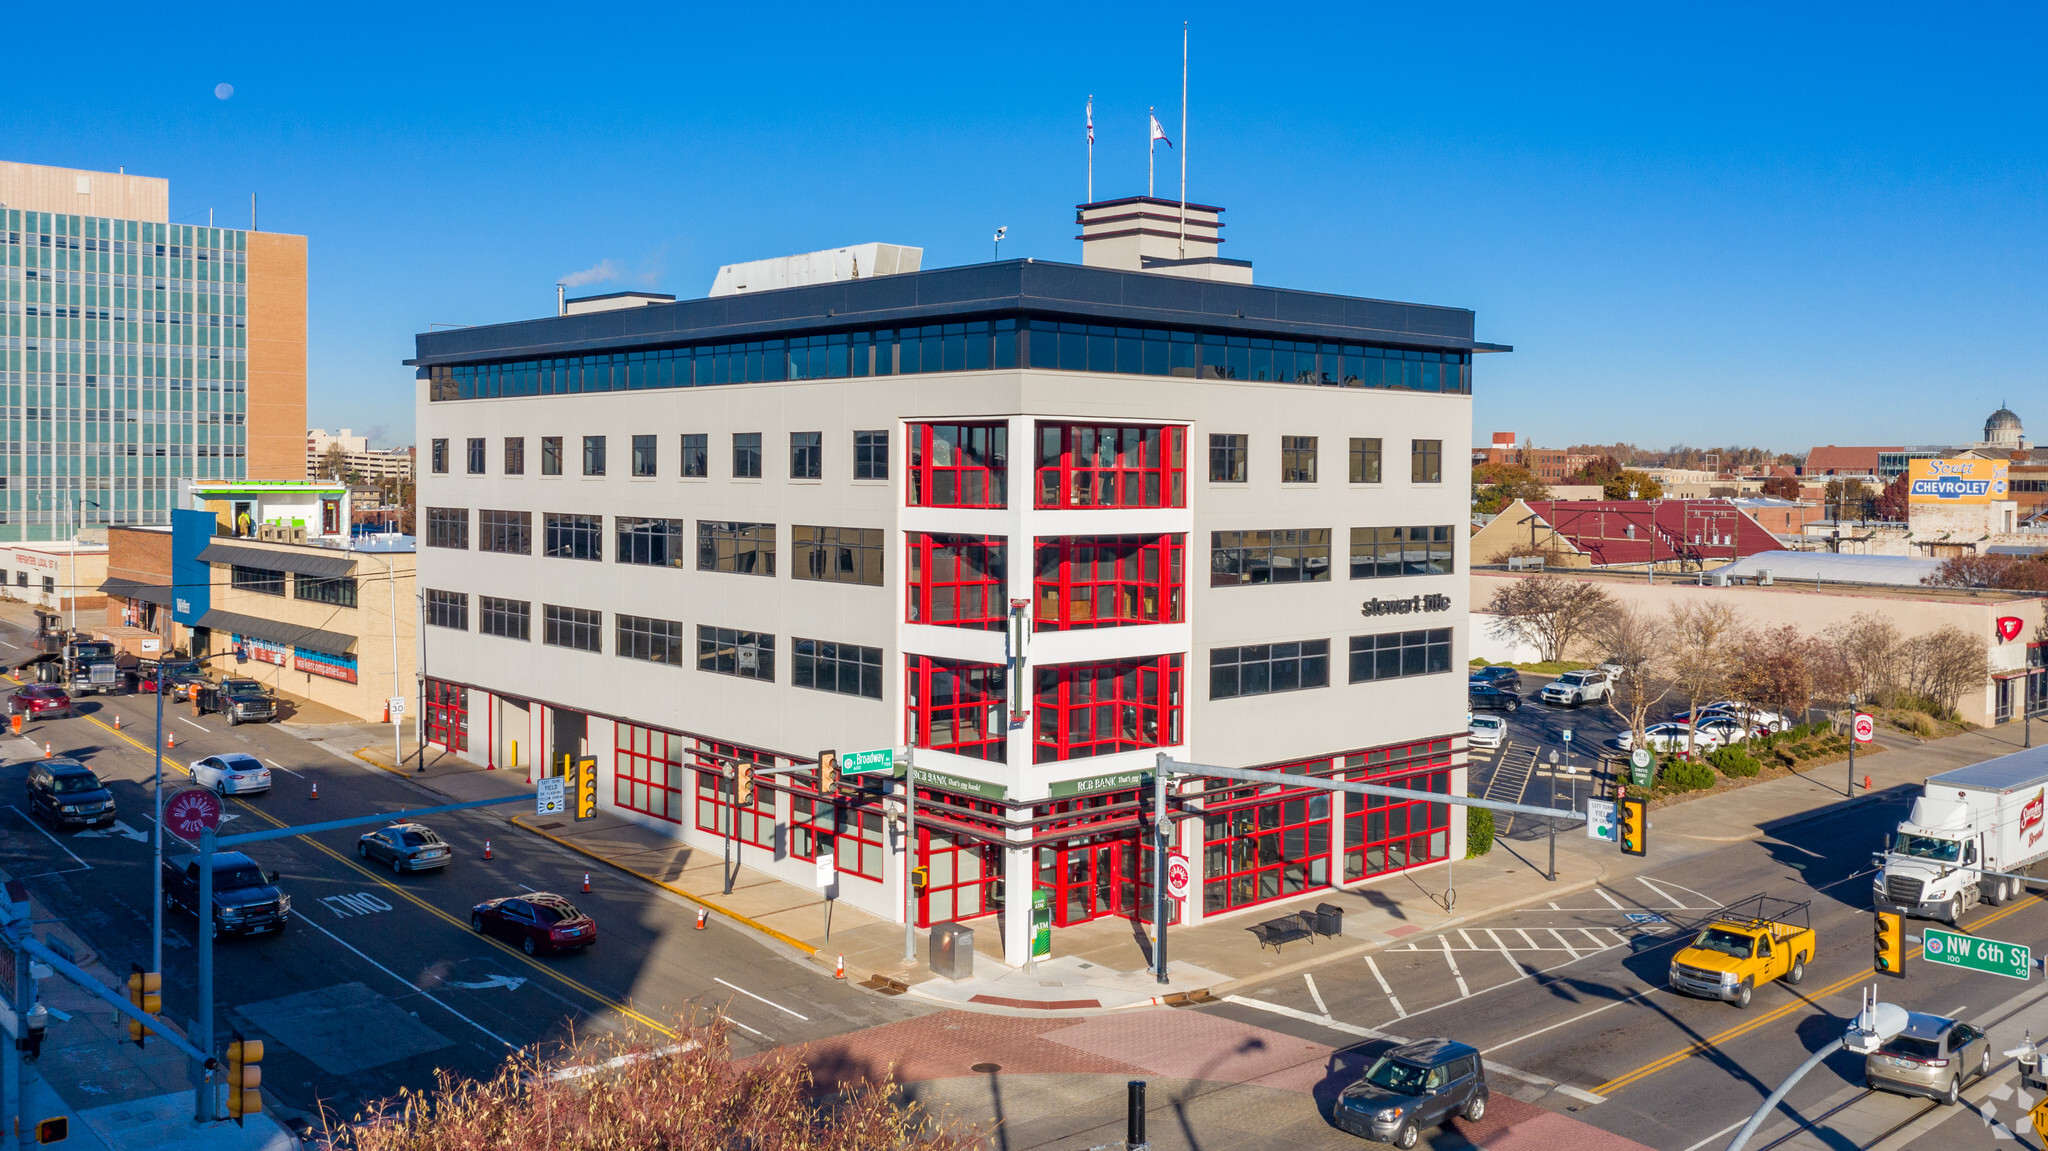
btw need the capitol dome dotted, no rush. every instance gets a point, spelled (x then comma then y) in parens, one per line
(2003, 429)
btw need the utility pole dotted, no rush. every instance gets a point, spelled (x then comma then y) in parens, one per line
(910, 853)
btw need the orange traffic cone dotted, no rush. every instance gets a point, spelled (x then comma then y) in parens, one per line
(46, 749)
(316, 789)
(170, 739)
(701, 913)
(387, 713)
(586, 883)
(487, 849)
(839, 970)
(117, 721)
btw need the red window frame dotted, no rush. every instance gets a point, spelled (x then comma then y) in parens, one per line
(1088, 709)
(1107, 581)
(1265, 848)
(448, 714)
(1111, 465)
(715, 803)
(958, 465)
(958, 581)
(962, 873)
(647, 771)
(952, 705)
(1383, 835)
(854, 831)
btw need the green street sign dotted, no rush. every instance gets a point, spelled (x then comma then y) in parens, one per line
(867, 762)
(1640, 767)
(2012, 960)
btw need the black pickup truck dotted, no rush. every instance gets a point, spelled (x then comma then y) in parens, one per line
(246, 900)
(241, 700)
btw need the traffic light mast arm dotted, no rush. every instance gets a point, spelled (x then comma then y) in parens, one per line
(118, 999)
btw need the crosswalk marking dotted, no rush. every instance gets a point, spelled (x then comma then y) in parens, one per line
(1602, 892)
(1464, 992)
(1382, 981)
(1662, 894)
(1562, 943)
(1526, 938)
(1599, 944)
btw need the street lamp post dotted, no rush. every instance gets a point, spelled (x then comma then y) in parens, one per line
(1851, 789)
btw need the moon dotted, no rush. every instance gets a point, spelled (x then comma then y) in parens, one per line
(223, 91)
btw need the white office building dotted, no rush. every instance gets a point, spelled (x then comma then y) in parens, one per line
(1035, 522)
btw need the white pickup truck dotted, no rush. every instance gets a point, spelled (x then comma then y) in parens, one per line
(1987, 817)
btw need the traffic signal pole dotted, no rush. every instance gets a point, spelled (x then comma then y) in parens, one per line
(202, 1095)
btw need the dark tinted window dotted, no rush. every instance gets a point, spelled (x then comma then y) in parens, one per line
(1912, 1048)
(73, 784)
(420, 838)
(227, 878)
(555, 912)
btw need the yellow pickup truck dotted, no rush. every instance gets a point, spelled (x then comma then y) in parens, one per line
(1744, 945)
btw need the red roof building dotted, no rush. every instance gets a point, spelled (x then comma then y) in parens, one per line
(1834, 461)
(1686, 534)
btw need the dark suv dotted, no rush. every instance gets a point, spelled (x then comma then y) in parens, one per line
(1487, 697)
(1413, 1086)
(67, 793)
(241, 700)
(1497, 675)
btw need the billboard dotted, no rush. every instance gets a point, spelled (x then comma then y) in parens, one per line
(1968, 481)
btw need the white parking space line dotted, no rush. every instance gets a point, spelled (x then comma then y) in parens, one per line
(1564, 1023)
(1464, 992)
(1602, 893)
(1530, 940)
(744, 1027)
(1386, 990)
(1662, 894)
(1469, 945)
(1561, 942)
(1599, 944)
(1315, 994)
(1554, 906)
(207, 730)
(30, 820)
(283, 768)
(769, 1002)
(1504, 952)
(308, 921)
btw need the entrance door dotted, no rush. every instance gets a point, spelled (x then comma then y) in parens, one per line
(1090, 879)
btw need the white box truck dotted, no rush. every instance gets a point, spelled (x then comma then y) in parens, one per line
(1985, 817)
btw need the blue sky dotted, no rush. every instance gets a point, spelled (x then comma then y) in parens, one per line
(1782, 225)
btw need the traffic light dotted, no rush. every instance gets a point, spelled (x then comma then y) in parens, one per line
(143, 991)
(828, 772)
(245, 1075)
(584, 781)
(1889, 946)
(744, 785)
(1631, 832)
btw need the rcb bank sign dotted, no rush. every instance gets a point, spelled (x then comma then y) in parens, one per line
(1955, 481)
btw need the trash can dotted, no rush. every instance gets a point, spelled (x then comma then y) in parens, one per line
(1329, 919)
(951, 952)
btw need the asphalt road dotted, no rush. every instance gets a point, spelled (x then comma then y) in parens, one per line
(1563, 992)
(392, 983)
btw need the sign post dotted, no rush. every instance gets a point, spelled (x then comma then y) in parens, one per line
(1991, 956)
(550, 795)
(1641, 772)
(1600, 820)
(828, 881)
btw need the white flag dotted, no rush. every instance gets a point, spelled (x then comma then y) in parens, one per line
(1159, 133)
(1091, 121)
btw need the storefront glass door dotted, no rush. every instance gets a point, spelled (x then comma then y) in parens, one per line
(1090, 879)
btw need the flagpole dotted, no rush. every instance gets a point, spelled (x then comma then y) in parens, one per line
(1182, 147)
(1151, 147)
(1091, 147)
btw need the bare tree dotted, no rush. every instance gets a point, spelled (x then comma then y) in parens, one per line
(1701, 656)
(1866, 651)
(1942, 665)
(1776, 668)
(1549, 613)
(334, 462)
(1635, 641)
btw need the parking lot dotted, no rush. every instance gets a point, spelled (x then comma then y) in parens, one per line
(1521, 771)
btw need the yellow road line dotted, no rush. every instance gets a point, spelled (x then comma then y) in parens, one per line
(1643, 1072)
(431, 909)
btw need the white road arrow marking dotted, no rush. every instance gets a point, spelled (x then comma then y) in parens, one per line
(508, 982)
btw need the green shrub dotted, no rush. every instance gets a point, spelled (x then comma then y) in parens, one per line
(1478, 832)
(1685, 775)
(1734, 762)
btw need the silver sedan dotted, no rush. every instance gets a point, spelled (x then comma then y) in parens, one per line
(406, 847)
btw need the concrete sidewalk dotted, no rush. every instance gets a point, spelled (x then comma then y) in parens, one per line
(1104, 964)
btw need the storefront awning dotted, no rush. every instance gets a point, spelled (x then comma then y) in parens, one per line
(303, 561)
(277, 631)
(129, 589)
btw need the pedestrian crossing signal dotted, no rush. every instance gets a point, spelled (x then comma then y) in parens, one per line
(583, 782)
(1888, 947)
(1634, 823)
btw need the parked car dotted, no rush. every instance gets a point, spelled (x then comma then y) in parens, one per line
(246, 900)
(1726, 729)
(241, 700)
(1485, 697)
(67, 793)
(1667, 738)
(1931, 1057)
(1614, 668)
(232, 774)
(181, 677)
(1759, 719)
(1486, 730)
(1578, 687)
(538, 922)
(1498, 675)
(1412, 1087)
(40, 701)
(406, 847)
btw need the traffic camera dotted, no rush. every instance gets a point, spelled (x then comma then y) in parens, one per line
(245, 1076)
(1634, 823)
(1889, 946)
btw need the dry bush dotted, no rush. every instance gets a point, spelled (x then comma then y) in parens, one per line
(631, 1093)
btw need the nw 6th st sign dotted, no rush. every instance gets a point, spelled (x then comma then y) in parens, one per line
(2012, 960)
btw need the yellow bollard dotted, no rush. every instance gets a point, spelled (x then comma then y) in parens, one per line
(513, 759)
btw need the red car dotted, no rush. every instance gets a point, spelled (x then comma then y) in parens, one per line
(537, 922)
(38, 700)
(181, 678)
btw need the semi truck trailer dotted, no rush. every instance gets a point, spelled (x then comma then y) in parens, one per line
(1967, 826)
